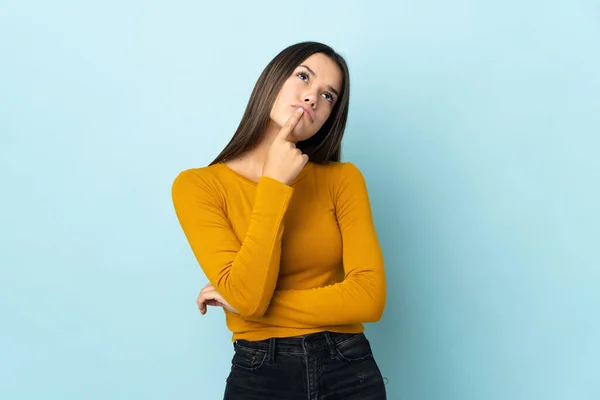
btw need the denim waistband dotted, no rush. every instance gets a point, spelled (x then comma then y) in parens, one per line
(310, 343)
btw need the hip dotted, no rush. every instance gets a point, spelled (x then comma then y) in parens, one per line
(322, 365)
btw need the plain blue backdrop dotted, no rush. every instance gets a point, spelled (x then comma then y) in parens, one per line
(475, 123)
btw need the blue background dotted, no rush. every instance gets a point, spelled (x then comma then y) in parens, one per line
(475, 123)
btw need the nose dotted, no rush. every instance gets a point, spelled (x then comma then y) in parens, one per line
(310, 99)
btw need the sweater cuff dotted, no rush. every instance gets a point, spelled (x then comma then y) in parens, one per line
(272, 196)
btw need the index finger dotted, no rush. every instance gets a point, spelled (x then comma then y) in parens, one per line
(290, 123)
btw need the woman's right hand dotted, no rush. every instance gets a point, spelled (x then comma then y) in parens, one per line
(284, 161)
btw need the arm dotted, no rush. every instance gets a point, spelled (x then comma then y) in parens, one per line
(361, 296)
(245, 274)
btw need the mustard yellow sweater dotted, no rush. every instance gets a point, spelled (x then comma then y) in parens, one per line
(291, 259)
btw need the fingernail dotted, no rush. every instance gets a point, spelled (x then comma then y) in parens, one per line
(300, 109)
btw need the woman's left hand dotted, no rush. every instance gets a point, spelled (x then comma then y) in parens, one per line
(209, 296)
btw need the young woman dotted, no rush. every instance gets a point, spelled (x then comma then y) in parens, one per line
(284, 233)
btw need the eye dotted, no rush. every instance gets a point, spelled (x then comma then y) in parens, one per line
(328, 97)
(303, 76)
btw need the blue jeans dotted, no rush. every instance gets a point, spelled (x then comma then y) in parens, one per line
(319, 366)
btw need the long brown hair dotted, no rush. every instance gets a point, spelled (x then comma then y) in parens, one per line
(323, 146)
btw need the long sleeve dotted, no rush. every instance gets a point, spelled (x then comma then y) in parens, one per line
(361, 296)
(245, 273)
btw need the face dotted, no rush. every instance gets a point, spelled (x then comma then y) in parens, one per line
(314, 85)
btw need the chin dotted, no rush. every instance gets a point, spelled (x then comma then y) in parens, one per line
(303, 136)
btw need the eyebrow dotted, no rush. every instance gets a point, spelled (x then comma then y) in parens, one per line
(315, 75)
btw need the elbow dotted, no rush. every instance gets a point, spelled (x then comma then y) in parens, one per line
(373, 297)
(369, 302)
(375, 311)
(377, 300)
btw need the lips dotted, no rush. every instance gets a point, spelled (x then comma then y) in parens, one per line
(307, 111)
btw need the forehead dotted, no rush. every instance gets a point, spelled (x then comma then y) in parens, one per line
(326, 70)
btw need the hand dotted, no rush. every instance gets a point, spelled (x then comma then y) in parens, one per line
(208, 296)
(284, 161)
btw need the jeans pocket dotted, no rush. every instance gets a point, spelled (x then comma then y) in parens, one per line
(248, 359)
(354, 349)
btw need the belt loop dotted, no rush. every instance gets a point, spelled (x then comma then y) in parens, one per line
(330, 345)
(271, 355)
